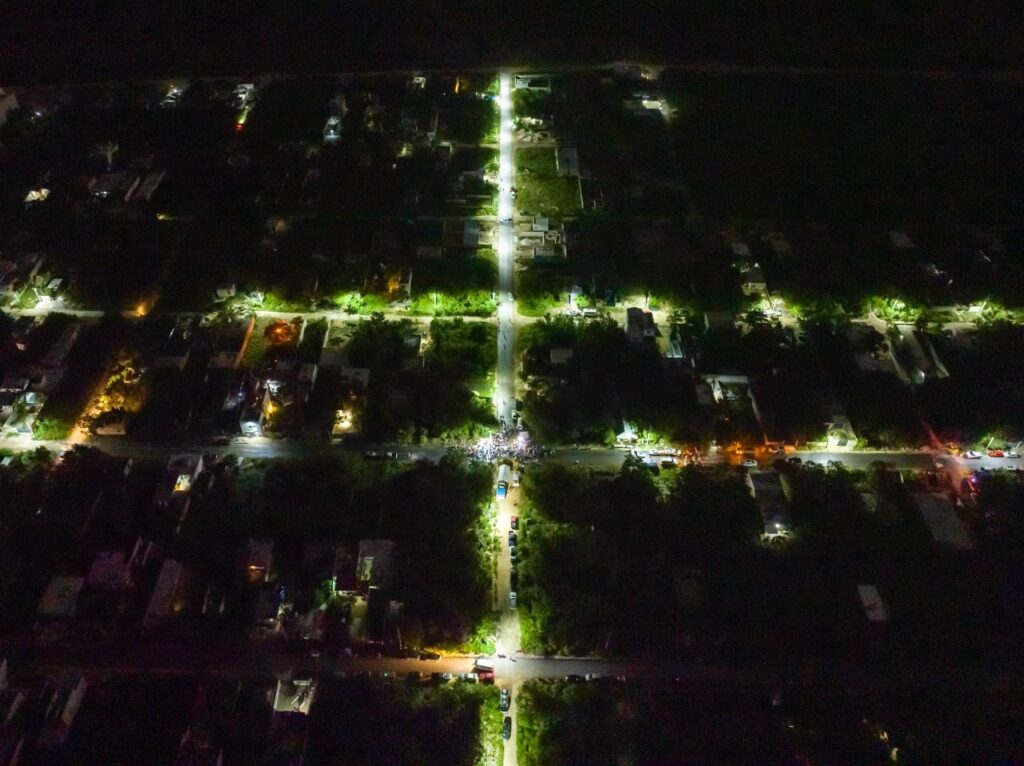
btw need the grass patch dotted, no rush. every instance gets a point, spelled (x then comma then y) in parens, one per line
(539, 187)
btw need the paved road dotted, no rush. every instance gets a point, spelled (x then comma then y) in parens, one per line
(600, 457)
(508, 634)
(505, 374)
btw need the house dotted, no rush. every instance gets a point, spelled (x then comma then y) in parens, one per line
(871, 600)
(110, 186)
(628, 71)
(197, 749)
(8, 104)
(294, 696)
(639, 325)
(229, 344)
(110, 571)
(753, 280)
(719, 320)
(532, 82)
(23, 413)
(149, 185)
(258, 558)
(111, 423)
(740, 251)
(333, 354)
(175, 350)
(59, 351)
(332, 130)
(723, 389)
(255, 411)
(181, 472)
(345, 423)
(839, 430)
(37, 716)
(901, 240)
(561, 355)
(376, 562)
(267, 612)
(766, 489)
(12, 388)
(278, 375)
(168, 595)
(567, 161)
(355, 378)
(61, 597)
(942, 521)
(306, 379)
(777, 241)
(431, 252)
(914, 351)
(472, 236)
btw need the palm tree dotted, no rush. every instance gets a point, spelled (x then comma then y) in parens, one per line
(108, 150)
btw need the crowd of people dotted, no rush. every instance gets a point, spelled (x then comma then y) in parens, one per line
(506, 444)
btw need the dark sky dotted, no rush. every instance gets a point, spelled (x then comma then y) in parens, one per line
(84, 40)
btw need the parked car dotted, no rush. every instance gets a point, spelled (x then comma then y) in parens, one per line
(750, 463)
(504, 700)
(971, 455)
(511, 537)
(996, 453)
(512, 600)
(430, 656)
(512, 552)
(514, 522)
(1012, 454)
(506, 728)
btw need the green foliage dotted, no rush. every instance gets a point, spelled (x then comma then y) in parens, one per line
(482, 640)
(594, 580)
(539, 187)
(456, 286)
(470, 119)
(531, 103)
(982, 393)
(86, 363)
(429, 399)
(607, 380)
(359, 303)
(462, 350)
(541, 289)
(637, 723)
(402, 723)
(434, 513)
(890, 309)
(477, 303)
(52, 428)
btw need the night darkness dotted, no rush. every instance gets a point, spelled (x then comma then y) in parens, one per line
(94, 41)
(698, 436)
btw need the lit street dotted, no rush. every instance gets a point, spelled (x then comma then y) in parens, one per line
(505, 375)
(411, 414)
